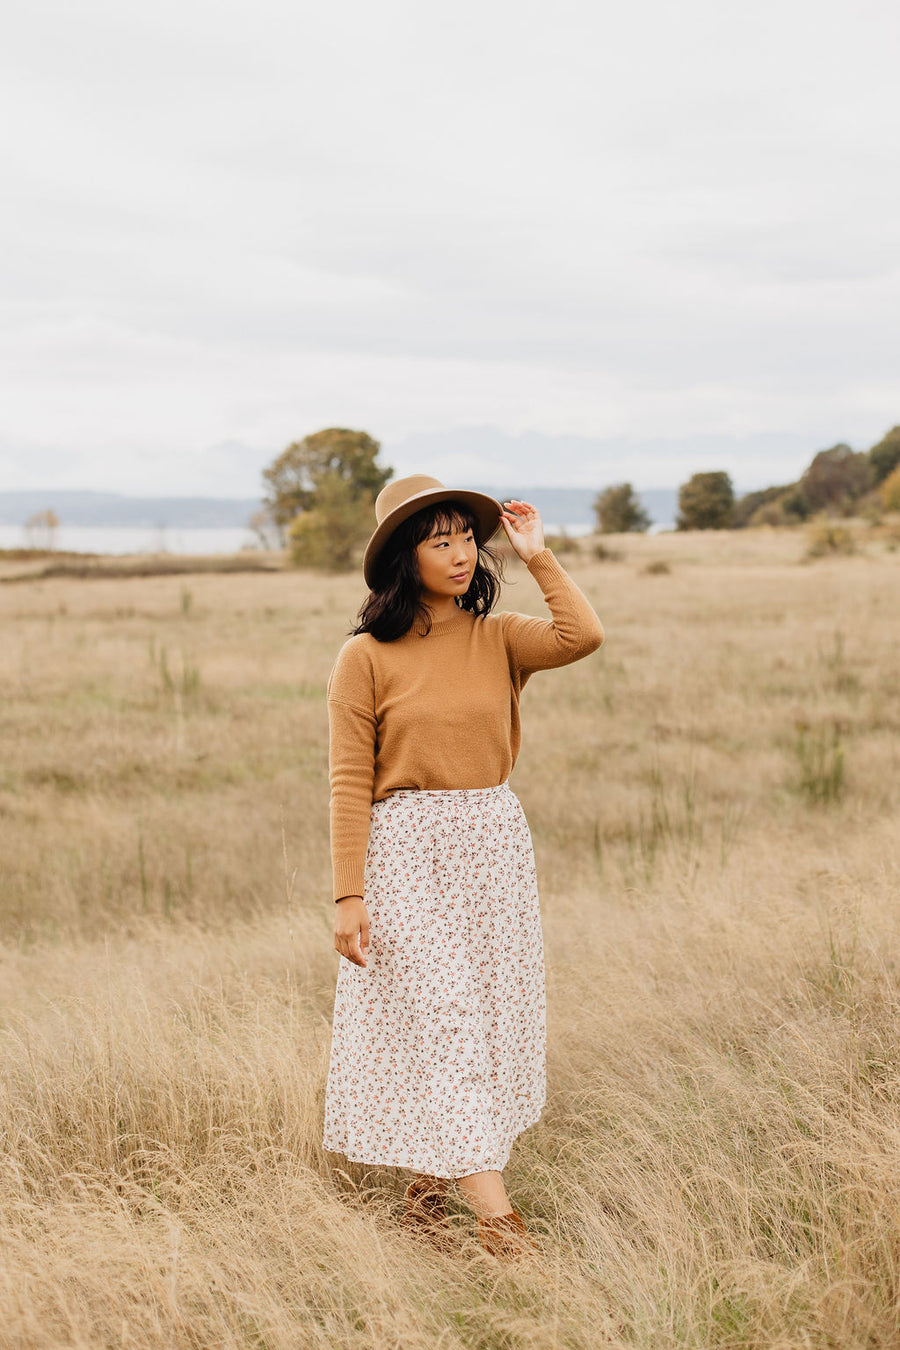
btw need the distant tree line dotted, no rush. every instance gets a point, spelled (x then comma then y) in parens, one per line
(838, 482)
(320, 492)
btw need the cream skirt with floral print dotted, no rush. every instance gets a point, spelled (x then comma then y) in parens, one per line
(438, 1046)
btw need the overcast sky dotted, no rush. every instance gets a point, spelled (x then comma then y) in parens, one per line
(575, 242)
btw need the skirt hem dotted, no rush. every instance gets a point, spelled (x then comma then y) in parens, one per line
(405, 1160)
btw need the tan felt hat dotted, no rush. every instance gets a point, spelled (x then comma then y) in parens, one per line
(405, 496)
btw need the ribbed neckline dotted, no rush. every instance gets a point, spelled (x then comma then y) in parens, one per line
(441, 626)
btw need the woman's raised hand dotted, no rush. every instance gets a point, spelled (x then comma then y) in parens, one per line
(351, 929)
(522, 523)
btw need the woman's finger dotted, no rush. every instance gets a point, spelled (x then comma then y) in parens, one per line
(524, 515)
(347, 944)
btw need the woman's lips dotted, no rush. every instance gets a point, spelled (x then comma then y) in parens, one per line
(460, 576)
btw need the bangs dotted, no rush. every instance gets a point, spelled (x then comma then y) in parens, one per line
(444, 518)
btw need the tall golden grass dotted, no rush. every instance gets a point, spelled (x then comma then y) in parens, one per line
(714, 800)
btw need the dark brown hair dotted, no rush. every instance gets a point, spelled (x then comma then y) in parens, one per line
(395, 601)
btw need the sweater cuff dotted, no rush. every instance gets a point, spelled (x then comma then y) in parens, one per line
(348, 879)
(544, 567)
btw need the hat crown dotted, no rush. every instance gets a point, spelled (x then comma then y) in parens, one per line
(399, 492)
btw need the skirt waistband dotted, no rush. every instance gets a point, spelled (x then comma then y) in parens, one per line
(448, 792)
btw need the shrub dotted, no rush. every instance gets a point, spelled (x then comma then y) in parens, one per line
(796, 504)
(603, 553)
(788, 508)
(327, 536)
(749, 508)
(828, 540)
(884, 457)
(771, 513)
(890, 490)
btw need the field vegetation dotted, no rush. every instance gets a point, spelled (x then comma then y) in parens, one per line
(714, 799)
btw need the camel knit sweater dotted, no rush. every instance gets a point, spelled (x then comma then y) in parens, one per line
(440, 710)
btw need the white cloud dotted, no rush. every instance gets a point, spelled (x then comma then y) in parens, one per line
(666, 226)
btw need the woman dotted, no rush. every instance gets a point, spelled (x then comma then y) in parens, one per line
(438, 1046)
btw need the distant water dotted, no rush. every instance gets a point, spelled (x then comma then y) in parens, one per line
(119, 539)
(134, 539)
(579, 531)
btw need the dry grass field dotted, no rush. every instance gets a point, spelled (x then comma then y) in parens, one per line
(714, 799)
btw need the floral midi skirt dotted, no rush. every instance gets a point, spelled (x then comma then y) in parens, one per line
(438, 1048)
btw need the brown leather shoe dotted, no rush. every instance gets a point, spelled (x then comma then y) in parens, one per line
(425, 1215)
(505, 1236)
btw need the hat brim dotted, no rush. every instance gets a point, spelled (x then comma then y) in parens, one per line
(484, 508)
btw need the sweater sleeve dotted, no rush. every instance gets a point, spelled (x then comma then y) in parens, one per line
(351, 766)
(573, 631)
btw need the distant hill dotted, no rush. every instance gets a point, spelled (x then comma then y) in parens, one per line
(560, 507)
(575, 506)
(109, 508)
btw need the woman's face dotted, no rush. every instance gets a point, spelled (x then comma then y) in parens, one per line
(447, 563)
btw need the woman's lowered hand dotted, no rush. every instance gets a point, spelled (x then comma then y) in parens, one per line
(351, 929)
(522, 523)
